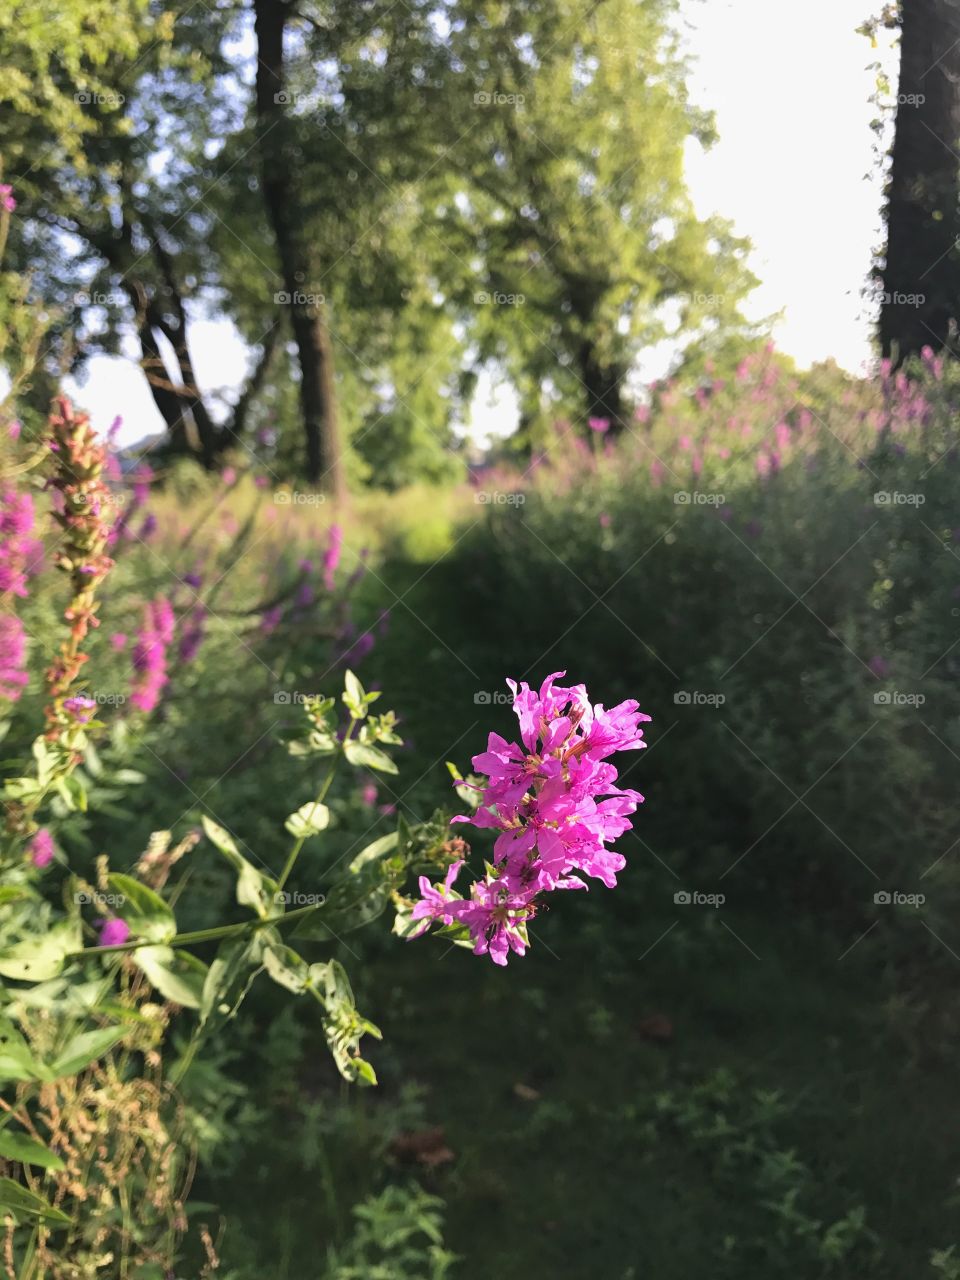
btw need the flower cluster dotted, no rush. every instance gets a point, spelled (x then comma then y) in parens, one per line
(556, 806)
(81, 504)
(150, 653)
(19, 556)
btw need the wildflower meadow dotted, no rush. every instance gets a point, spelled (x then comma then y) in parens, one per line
(474, 803)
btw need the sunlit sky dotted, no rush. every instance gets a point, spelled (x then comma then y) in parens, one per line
(794, 170)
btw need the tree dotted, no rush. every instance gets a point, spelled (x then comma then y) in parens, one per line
(281, 194)
(569, 141)
(921, 273)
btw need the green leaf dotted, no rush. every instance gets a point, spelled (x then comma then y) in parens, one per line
(229, 978)
(309, 820)
(14, 893)
(21, 788)
(285, 966)
(254, 889)
(37, 959)
(25, 1204)
(26, 1150)
(16, 1057)
(144, 910)
(353, 696)
(386, 844)
(73, 791)
(361, 754)
(84, 1048)
(177, 975)
(343, 1025)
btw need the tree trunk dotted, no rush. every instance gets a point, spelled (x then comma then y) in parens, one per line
(603, 384)
(921, 276)
(281, 197)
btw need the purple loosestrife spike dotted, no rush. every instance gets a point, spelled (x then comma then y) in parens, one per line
(554, 802)
(13, 657)
(150, 654)
(331, 557)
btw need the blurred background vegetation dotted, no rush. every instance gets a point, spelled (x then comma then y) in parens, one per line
(387, 201)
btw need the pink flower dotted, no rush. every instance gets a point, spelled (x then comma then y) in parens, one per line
(7, 202)
(229, 476)
(41, 848)
(114, 932)
(600, 425)
(80, 707)
(13, 655)
(150, 654)
(368, 795)
(118, 640)
(553, 800)
(331, 557)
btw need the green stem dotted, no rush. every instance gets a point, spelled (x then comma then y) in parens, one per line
(199, 935)
(322, 795)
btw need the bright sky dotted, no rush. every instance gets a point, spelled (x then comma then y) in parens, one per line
(794, 170)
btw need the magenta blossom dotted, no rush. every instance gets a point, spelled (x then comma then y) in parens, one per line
(13, 657)
(553, 800)
(41, 848)
(600, 425)
(331, 557)
(114, 932)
